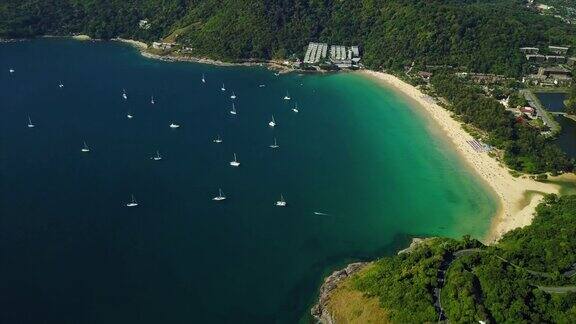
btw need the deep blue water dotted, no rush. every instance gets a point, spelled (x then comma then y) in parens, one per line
(72, 252)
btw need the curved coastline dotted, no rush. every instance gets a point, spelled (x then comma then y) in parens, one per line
(517, 197)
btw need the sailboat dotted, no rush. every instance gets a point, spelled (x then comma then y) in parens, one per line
(85, 149)
(11, 71)
(295, 109)
(220, 196)
(124, 95)
(217, 140)
(132, 203)
(223, 87)
(61, 85)
(235, 162)
(203, 78)
(30, 125)
(152, 100)
(233, 96)
(287, 96)
(275, 145)
(129, 115)
(281, 202)
(172, 125)
(157, 157)
(233, 111)
(272, 123)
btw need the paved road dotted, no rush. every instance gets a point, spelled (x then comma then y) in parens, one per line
(543, 113)
(442, 278)
(445, 265)
(558, 289)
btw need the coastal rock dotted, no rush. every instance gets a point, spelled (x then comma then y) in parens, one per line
(320, 310)
(414, 244)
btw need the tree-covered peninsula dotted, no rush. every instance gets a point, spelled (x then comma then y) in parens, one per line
(528, 277)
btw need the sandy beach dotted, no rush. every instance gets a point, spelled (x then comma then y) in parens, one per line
(82, 37)
(518, 197)
(135, 43)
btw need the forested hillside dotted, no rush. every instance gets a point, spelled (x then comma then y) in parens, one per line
(528, 277)
(478, 35)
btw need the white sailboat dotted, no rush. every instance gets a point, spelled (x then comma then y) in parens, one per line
(223, 87)
(85, 148)
(281, 202)
(124, 95)
(129, 115)
(30, 125)
(220, 196)
(235, 162)
(61, 85)
(11, 71)
(203, 78)
(233, 96)
(295, 109)
(217, 140)
(287, 96)
(272, 123)
(172, 125)
(132, 203)
(157, 157)
(233, 111)
(152, 100)
(275, 145)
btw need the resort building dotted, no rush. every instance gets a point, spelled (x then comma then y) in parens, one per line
(550, 76)
(163, 46)
(529, 112)
(425, 75)
(315, 53)
(340, 56)
(535, 57)
(344, 57)
(556, 59)
(560, 50)
(144, 24)
(529, 50)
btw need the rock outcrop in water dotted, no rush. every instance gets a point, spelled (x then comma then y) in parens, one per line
(320, 311)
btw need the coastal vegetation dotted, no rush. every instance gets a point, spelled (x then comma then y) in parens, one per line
(527, 277)
(525, 149)
(474, 35)
(571, 101)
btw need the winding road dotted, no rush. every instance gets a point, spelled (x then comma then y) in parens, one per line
(445, 265)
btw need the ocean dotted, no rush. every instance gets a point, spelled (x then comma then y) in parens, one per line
(361, 171)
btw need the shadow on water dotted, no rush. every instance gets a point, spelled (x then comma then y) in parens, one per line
(319, 271)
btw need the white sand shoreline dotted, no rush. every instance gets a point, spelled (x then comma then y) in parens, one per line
(516, 207)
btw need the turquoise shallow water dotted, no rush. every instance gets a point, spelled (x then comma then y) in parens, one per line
(73, 253)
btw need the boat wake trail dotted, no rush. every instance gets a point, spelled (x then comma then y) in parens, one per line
(321, 214)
